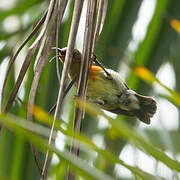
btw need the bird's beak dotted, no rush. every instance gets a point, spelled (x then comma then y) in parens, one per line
(61, 52)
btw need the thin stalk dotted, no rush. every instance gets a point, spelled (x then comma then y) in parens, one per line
(102, 10)
(84, 71)
(68, 58)
(20, 77)
(65, 92)
(44, 33)
(99, 19)
(34, 31)
(34, 87)
(40, 66)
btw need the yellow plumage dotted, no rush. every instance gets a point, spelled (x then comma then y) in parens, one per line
(108, 90)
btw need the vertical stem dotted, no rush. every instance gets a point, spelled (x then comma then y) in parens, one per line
(102, 9)
(68, 58)
(34, 88)
(83, 77)
(35, 30)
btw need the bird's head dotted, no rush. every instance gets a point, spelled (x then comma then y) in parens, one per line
(75, 63)
(76, 56)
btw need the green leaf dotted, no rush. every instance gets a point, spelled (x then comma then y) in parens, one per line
(149, 77)
(123, 130)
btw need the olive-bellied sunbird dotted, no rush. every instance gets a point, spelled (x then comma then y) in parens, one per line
(109, 92)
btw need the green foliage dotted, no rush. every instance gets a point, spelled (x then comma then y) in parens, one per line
(160, 44)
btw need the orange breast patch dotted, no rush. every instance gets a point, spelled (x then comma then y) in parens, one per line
(94, 71)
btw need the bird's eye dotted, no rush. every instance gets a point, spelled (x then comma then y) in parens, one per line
(74, 54)
(62, 53)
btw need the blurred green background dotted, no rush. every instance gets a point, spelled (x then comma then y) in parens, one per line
(136, 33)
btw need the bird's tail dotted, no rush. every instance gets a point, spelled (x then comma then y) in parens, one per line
(147, 108)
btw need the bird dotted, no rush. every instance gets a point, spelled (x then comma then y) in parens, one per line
(106, 89)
